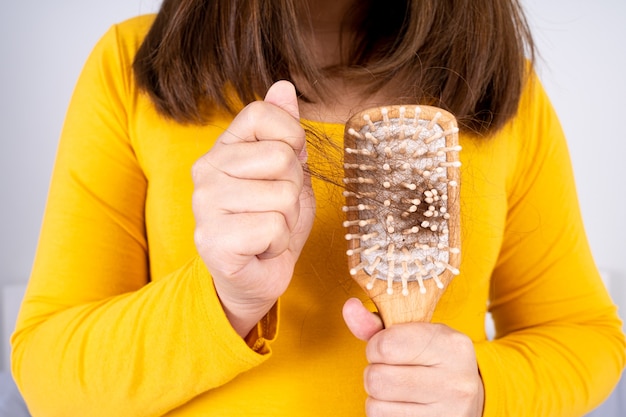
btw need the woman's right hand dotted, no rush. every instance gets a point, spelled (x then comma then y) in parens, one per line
(254, 206)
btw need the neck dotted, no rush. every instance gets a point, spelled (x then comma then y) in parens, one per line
(329, 38)
(328, 15)
(325, 30)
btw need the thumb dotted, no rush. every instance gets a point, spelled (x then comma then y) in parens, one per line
(362, 323)
(283, 95)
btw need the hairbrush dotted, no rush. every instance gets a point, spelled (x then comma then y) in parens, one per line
(401, 166)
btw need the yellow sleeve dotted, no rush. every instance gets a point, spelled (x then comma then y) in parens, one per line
(94, 331)
(559, 348)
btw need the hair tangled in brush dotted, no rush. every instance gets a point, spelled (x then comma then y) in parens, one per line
(464, 56)
(402, 199)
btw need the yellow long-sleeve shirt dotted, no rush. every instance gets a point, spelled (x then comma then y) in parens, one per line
(121, 318)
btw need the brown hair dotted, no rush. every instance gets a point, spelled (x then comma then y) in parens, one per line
(465, 56)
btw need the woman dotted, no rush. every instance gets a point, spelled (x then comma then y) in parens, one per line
(159, 292)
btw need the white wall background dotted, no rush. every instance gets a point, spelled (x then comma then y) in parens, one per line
(43, 45)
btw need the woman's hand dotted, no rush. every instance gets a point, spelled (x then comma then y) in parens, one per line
(416, 369)
(254, 206)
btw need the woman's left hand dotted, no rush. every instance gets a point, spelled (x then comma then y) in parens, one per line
(416, 369)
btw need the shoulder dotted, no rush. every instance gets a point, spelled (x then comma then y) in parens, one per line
(534, 137)
(126, 36)
(141, 23)
(111, 59)
(537, 126)
(534, 101)
(134, 29)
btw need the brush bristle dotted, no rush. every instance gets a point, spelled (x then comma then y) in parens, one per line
(402, 188)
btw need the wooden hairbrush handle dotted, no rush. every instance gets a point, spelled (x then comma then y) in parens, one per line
(402, 176)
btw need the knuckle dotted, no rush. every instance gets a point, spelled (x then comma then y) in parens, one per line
(256, 113)
(277, 224)
(203, 238)
(205, 242)
(466, 391)
(203, 168)
(283, 157)
(381, 347)
(459, 343)
(198, 170)
(288, 193)
(200, 236)
(373, 408)
(199, 203)
(255, 109)
(381, 382)
(273, 235)
(371, 380)
(203, 198)
(462, 344)
(457, 338)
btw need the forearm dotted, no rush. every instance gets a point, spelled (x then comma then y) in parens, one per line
(557, 369)
(161, 345)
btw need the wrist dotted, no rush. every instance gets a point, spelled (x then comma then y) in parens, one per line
(244, 318)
